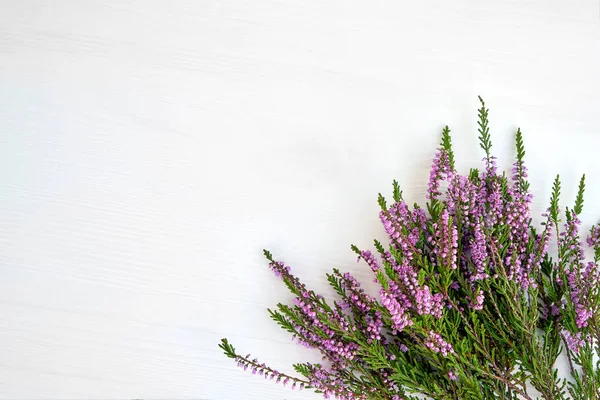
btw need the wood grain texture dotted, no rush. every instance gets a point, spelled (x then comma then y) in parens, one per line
(150, 149)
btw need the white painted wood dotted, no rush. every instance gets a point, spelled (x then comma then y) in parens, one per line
(150, 149)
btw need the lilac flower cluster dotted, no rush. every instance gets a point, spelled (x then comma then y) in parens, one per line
(397, 221)
(445, 241)
(517, 219)
(428, 303)
(542, 241)
(313, 331)
(370, 259)
(322, 335)
(574, 341)
(437, 344)
(406, 295)
(490, 199)
(439, 170)
(363, 304)
(593, 239)
(479, 253)
(462, 199)
(332, 384)
(398, 305)
(572, 255)
(261, 369)
(477, 304)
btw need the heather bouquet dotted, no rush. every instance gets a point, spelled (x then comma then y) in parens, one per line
(472, 302)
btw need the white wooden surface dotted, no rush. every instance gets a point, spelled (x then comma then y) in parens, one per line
(149, 150)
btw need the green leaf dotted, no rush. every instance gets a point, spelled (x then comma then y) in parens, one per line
(579, 200)
(523, 184)
(484, 130)
(397, 192)
(227, 348)
(268, 255)
(282, 321)
(520, 146)
(381, 201)
(554, 199)
(447, 145)
(379, 247)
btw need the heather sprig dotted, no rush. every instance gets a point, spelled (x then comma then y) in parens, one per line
(471, 303)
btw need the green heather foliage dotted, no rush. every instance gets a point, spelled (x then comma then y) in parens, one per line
(471, 303)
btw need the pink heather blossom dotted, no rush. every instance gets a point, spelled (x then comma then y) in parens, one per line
(439, 170)
(574, 341)
(435, 343)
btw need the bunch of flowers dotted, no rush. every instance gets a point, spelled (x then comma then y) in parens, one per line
(471, 303)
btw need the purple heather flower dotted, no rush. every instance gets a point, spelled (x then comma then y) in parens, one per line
(395, 221)
(439, 170)
(478, 303)
(446, 241)
(398, 307)
(570, 239)
(593, 238)
(574, 341)
(489, 199)
(452, 376)
(435, 343)
(591, 273)
(583, 315)
(490, 166)
(419, 219)
(428, 303)
(462, 199)
(374, 327)
(516, 214)
(543, 311)
(331, 384)
(519, 171)
(479, 253)
(336, 348)
(577, 286)
(370, 260)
